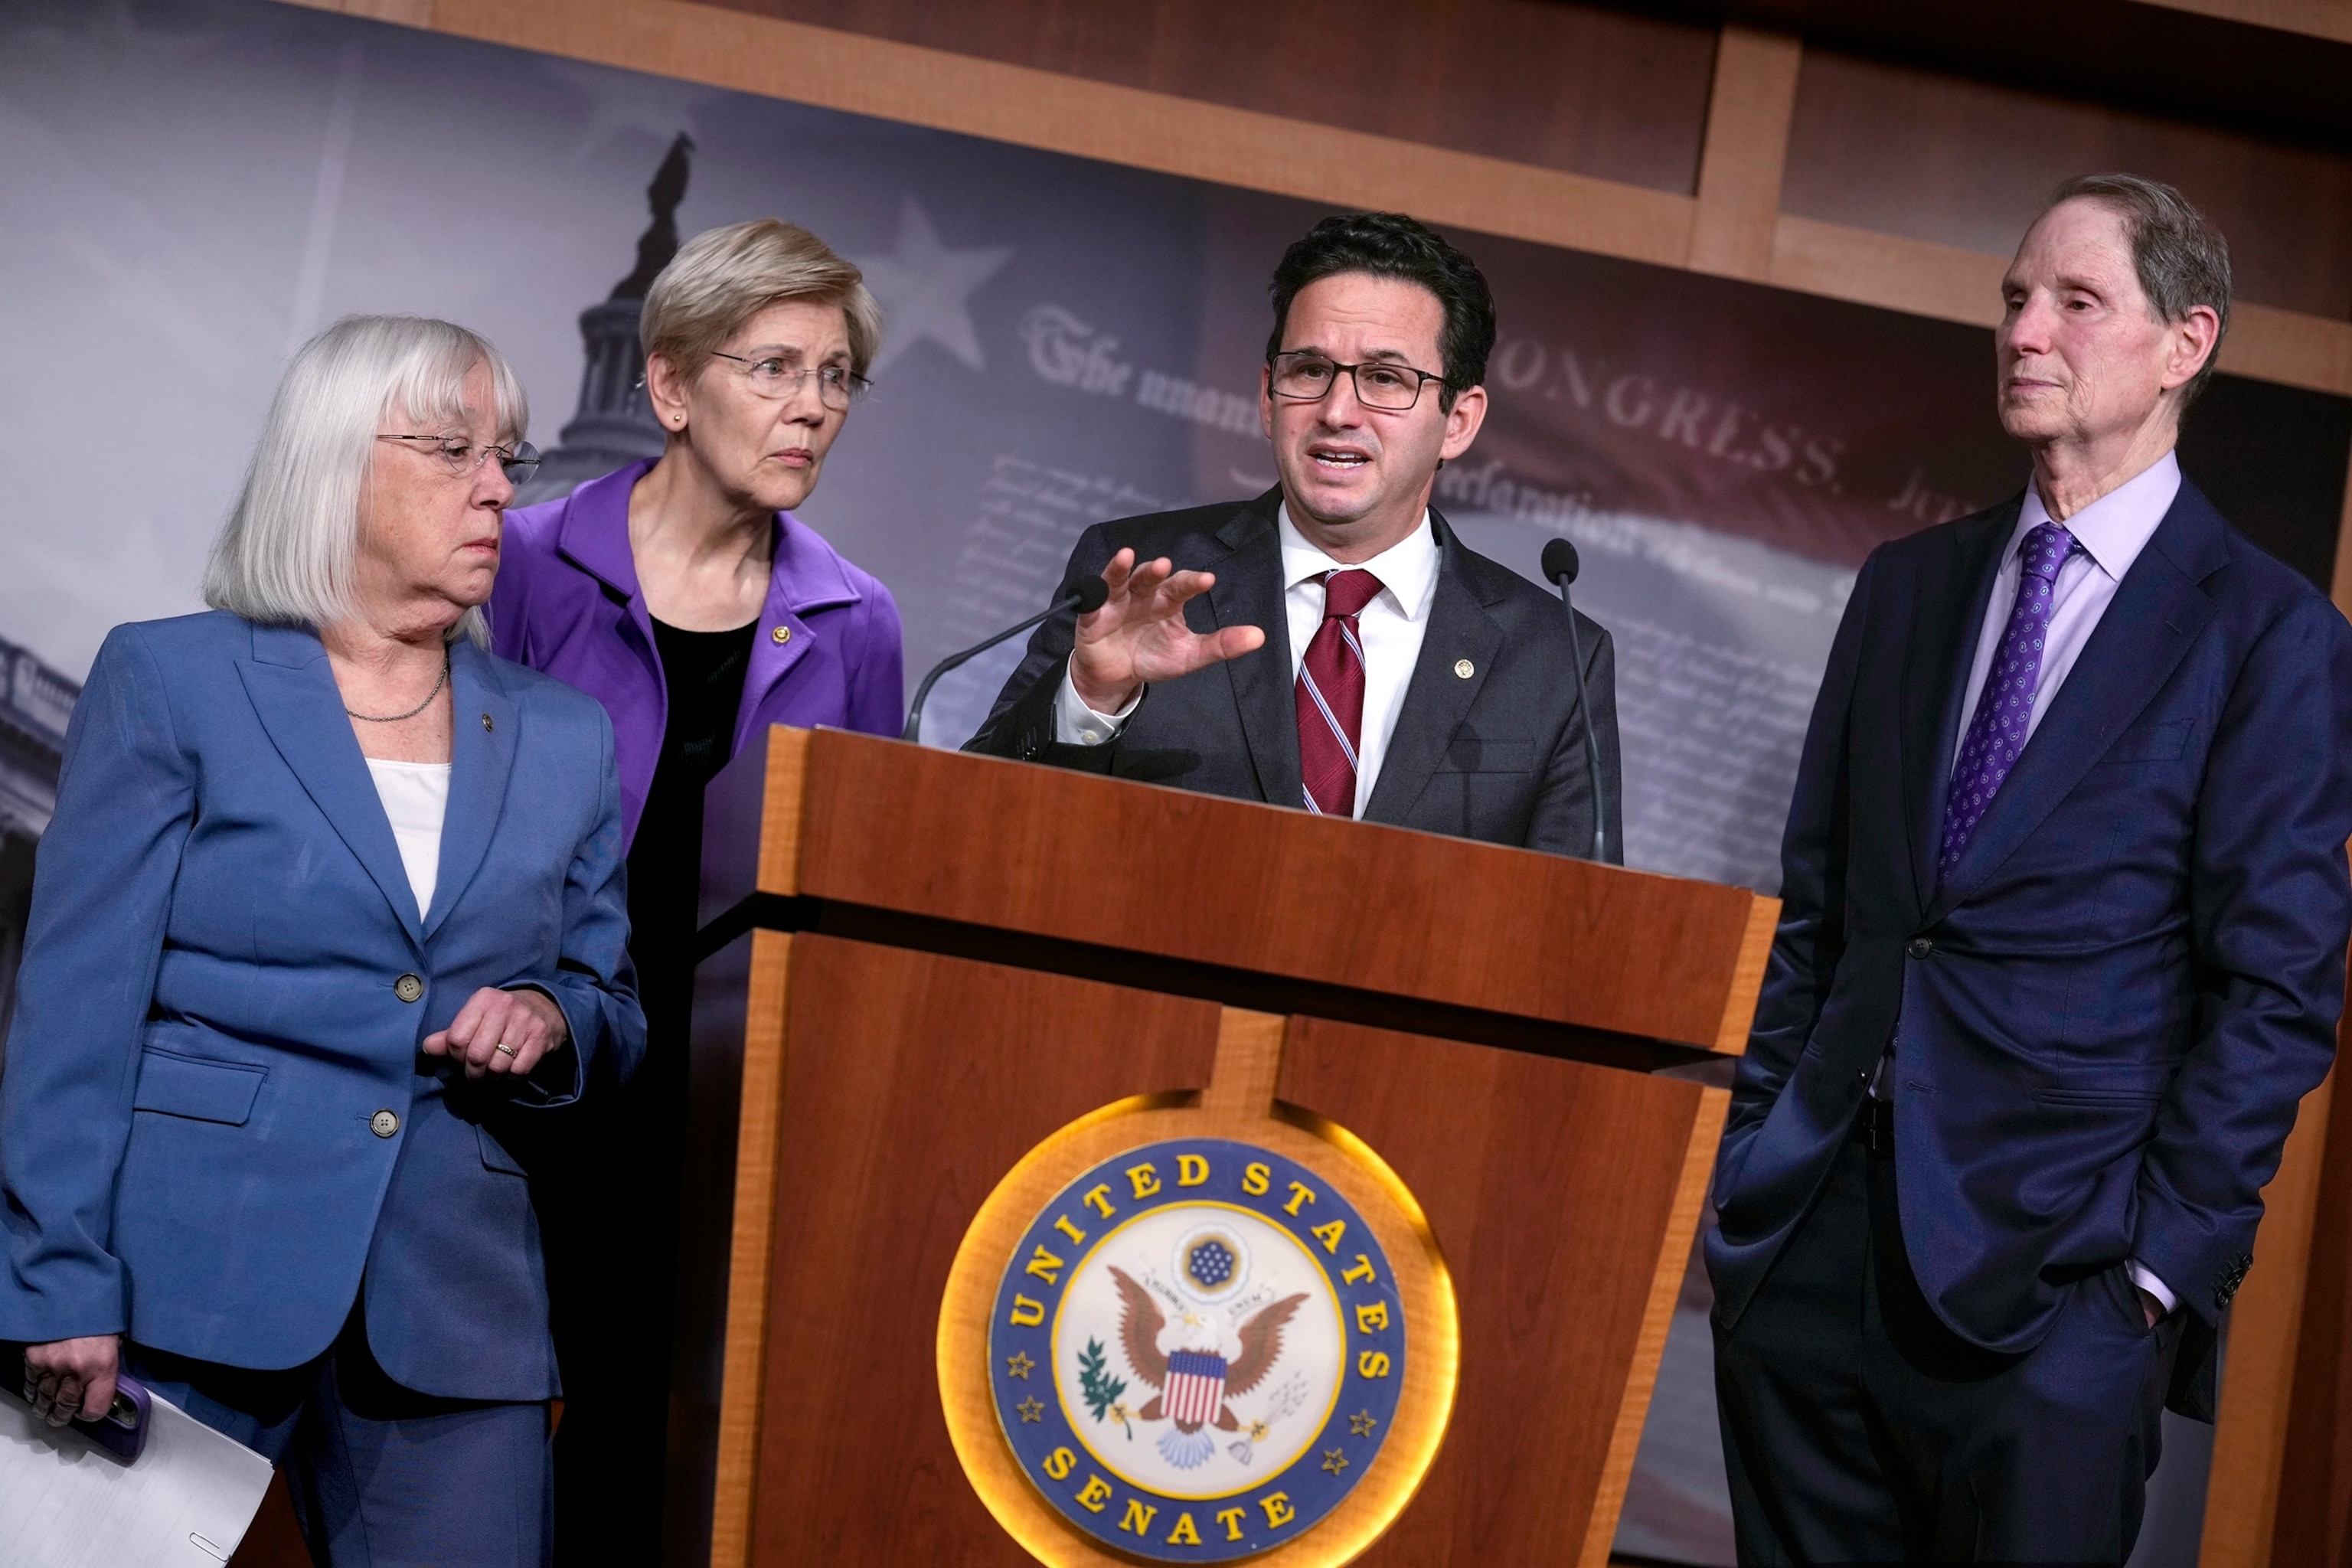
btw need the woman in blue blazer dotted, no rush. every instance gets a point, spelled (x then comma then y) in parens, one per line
(330, 896)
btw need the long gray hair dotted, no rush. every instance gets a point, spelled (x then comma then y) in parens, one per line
(290, 549)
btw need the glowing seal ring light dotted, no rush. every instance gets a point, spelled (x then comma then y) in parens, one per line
(1175, 1334)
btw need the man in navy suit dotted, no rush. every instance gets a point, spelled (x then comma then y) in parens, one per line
(2063, 946)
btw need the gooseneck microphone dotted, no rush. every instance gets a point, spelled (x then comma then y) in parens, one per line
(1085, 598)
(1559, 564)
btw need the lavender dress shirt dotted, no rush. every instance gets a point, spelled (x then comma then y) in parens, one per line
(2111, 532)
(568, 602)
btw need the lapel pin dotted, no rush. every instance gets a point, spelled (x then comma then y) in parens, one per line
(1464, 669)
(782, 634)
(486, 721)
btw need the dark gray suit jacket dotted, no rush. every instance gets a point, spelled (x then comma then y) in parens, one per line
(1498, 755)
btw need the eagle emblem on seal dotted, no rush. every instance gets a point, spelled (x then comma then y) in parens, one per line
(1194, 1381)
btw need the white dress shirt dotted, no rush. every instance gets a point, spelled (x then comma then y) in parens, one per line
(2110, 532)
(1390, 628)
(415, 798)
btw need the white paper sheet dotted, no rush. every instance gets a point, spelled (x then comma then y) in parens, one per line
(65, 1504)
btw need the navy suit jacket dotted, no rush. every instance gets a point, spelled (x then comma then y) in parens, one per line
(1498, 755)
(209, 1015)
(2105, 1016)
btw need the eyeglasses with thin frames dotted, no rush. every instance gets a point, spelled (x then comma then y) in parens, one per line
(463, 458)
(837, 386)
(1301, 377)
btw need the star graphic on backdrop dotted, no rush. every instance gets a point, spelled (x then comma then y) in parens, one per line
(925, 290)
(1362, 1423)
(1334, 1460)
(1030, 1409)
(1019, 1365)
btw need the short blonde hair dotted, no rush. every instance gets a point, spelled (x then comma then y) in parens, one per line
(723, 277)
(287, 555)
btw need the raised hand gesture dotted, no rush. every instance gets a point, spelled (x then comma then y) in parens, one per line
(1140, 636)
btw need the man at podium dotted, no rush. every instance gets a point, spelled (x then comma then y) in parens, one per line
(1331, 645)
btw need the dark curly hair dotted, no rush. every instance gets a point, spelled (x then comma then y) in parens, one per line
(1391, 244)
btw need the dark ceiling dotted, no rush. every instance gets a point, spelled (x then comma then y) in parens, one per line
(2146, 57)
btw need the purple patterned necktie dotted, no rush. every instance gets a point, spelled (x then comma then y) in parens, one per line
(2005, 708)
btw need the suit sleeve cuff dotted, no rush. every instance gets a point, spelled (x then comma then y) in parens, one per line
(562, 1074)
(2144, 1278)
(1076, 724)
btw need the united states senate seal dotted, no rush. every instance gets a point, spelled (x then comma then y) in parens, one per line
(1197, 1350)
(1200, 1326)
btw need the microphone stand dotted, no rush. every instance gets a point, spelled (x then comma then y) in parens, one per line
(1085, 598)
(1559, 564)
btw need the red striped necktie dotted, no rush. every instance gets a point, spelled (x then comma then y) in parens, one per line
(1331, 696)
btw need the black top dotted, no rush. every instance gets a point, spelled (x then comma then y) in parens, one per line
(704, 673)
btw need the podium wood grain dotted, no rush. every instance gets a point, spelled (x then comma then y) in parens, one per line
(945, 965)
(273, 1540)
(828, 815)
(909, 1084)
(1543, 1180)
(886, 1143)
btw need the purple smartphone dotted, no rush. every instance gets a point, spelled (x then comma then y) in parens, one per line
(122, 1430)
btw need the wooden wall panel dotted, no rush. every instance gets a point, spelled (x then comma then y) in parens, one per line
(2320, 19)
(1517, 1132)
(1747, 139)
(1558, 86)
(2313, 1525)
(2250, 1438)
(865, 74)
(2342, 592)
(1969, 164)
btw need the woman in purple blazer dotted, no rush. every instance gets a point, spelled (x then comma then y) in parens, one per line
(686, 597)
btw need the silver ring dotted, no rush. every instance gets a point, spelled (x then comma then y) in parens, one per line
(502, 1045)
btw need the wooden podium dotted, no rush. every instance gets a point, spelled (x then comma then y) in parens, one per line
(924, 965)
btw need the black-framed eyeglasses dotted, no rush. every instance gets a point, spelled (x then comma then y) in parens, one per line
(1302, 377)
(462, 458)
(837, 386)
